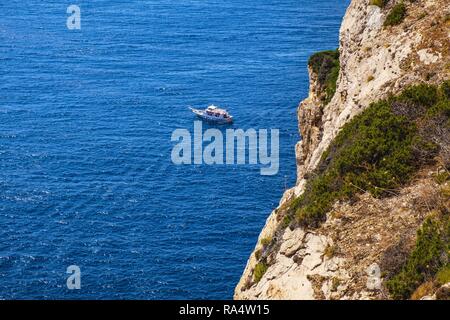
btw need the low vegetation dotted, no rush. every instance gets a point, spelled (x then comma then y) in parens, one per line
(396, 15)
(423, 290)
(389, 147)
(326, 65)
(330, 251)
(266, 241)
(378, 3)
(443, 275)
(379, 151)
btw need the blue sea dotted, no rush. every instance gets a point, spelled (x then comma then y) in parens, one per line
(86, 118)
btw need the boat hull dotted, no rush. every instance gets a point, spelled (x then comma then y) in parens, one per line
(204, 116)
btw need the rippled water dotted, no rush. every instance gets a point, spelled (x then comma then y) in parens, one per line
(85, 124)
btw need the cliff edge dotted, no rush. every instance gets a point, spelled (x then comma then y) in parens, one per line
(373, 184)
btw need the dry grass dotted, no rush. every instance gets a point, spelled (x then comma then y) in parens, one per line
(330, 251)
(425, 289)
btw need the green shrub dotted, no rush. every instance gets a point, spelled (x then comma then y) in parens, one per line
(422, 15)
(445, 89)
(378, 151)
(259, 271)
(422, 94)
(425, 259)
(396, 15)
(335, 283)
(326, 65)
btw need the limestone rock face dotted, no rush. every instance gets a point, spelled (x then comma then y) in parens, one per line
(342, 258)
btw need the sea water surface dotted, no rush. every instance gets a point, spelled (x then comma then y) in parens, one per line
(86, 119)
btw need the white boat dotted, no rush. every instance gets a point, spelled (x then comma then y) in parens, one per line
(213, 114)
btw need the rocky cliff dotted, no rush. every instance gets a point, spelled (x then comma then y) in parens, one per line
(366, 236)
